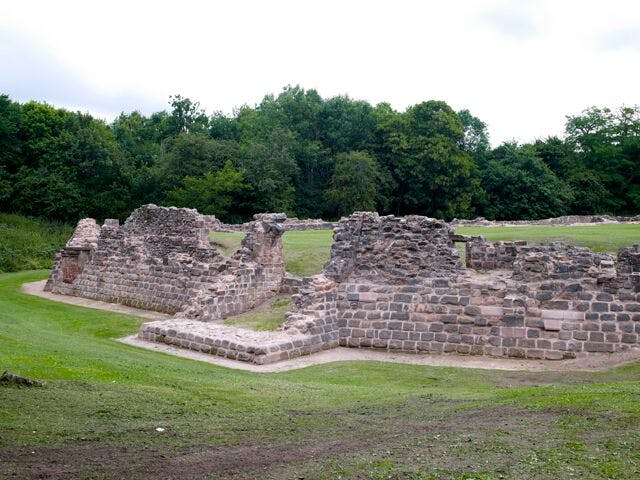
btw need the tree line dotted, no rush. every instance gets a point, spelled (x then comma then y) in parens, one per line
(313, 158)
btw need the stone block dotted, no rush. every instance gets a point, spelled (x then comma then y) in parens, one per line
(599, 307)
(558, 305)
(629, 338)
(598, 347)
(535, 354)
(553, 355)
(552, 324)
(491, 311)
(516, 352)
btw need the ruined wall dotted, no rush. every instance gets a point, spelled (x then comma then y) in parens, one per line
(288, 225)
(161, 259)
(391, 249)
(391, 283)
(565, 220)
(545, 302)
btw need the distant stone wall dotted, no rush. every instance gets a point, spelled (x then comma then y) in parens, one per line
(288, 225)
(565, 220)
(161, 259)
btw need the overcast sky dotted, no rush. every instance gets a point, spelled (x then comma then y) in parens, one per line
(520, 66)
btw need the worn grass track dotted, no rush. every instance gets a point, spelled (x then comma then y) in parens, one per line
(98, 414)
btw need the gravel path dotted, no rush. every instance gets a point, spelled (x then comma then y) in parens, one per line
(591, 363)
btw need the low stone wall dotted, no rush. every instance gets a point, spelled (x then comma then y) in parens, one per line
(161, 259)
(565, 220)
(546, 302)
(235, 343)
(288, 225)
(391, 283)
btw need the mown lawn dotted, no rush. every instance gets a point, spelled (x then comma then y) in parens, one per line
(305, 252)
(600, 238)
(264, 317)
(97, 417)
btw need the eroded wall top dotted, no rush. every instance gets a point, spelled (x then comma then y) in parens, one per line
(392, 249)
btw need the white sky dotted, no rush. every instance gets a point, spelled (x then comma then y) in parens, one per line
(520, 66)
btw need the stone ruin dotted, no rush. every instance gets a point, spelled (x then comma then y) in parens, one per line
(161, 259)
(392, 283)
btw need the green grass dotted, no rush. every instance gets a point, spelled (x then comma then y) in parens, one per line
(265, 317)
(98, 414)
(27, 243)
(305, 252)
(600, 238)
(227, 242)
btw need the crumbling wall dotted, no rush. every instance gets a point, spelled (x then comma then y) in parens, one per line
(565, 220)
(526, 301)
(71, 260)
(391, 249)
(161, 259)
(391, 283)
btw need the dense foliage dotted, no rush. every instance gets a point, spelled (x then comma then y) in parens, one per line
(29, 243)
(312, 157)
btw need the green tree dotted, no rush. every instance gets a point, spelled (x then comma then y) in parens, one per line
(607, 145)
(212, 193)
(434, 175)
(354, 183)
(10, 146)
(194, 154)
(187, 116)
(476, 137)
(520, 186)
(271, 170)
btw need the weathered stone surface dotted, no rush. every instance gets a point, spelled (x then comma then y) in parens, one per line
(531, 301)
(161, 259)
(391, 283)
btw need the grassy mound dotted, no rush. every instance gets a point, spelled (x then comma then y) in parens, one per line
(27, 244)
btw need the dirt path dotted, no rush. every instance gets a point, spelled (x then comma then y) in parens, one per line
(595, 362)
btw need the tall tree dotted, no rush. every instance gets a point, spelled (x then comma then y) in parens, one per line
(520, 186)
(187, 116)
(354, 183)
(434, 175)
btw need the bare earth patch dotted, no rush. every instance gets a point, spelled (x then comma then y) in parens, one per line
(428, 437)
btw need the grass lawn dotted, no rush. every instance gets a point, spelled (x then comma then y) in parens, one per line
(305, 252)
(265, 317)
(600, 238)
(97, 417)
(227, 242)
